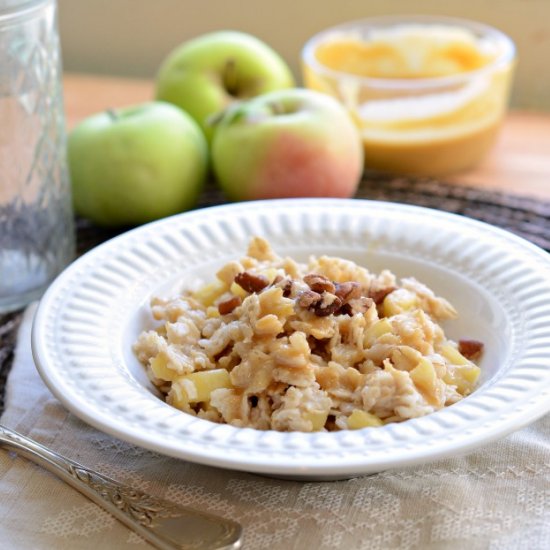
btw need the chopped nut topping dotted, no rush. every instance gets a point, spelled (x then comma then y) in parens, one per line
(285, 284)
(346, 299)
(359, 305)
(379, 295)
(287, 289)
(328, 304)
(308, 298)
(227, 306)
(471, 349)
(319, 283)
(322, 304)
(347, 291)
(251, 282)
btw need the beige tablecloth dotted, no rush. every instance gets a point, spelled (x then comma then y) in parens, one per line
(495, 498)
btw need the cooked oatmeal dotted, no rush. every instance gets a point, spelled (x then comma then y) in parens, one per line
(275, 344)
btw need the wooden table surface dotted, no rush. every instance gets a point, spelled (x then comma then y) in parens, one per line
(519, 163)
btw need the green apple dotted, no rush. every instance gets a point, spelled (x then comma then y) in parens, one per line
(136, 164)
(206, 74)
(288, 143)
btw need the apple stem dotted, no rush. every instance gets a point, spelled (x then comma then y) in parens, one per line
(113, 114)
(230, 77)
(277, 108)
(215, 118)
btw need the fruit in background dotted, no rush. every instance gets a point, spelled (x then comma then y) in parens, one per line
(206, 74)
(288, 143)
(136, 164)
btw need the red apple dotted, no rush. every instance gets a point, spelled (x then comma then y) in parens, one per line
(287, 143)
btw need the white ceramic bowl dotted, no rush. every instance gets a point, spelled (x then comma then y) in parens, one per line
(87, 321)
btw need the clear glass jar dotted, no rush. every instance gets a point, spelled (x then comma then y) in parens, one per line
(36, 219)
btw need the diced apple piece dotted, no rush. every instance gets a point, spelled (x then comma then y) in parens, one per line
(205, 382)
(238, 290)
(461, 372)
(470, 373)
(317, 419)
(360, 419)
(212, 312)
(270, 273)
(159, 366)
(464, 377)
(399, 301)
(381, 327)
(209, 293)
(178, 398)
(228, 272)
(453, 355)
(425, 379)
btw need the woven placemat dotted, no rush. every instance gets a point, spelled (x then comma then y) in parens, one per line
(524, 216)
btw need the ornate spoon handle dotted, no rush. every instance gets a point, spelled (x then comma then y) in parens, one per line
(162, 523)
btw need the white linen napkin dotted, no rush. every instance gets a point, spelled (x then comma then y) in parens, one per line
(495, 498)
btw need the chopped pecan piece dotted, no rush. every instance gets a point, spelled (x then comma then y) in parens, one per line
(253, 400)
(471, 349)
(308, 298)
(285, 284)
(287, 289)
(359, 305)
(345, 310)
(329, 303)
(319, 283)
(251, 282)
(227, 306)
(379, 294)
(347, 291)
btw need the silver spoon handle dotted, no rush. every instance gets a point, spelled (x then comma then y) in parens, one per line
(162, 523)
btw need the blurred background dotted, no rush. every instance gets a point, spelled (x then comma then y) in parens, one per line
(132, 37)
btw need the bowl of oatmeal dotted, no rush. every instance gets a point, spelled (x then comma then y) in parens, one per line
(305, 338)
(274, 344)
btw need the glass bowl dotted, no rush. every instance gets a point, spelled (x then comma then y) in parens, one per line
(428, 93)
